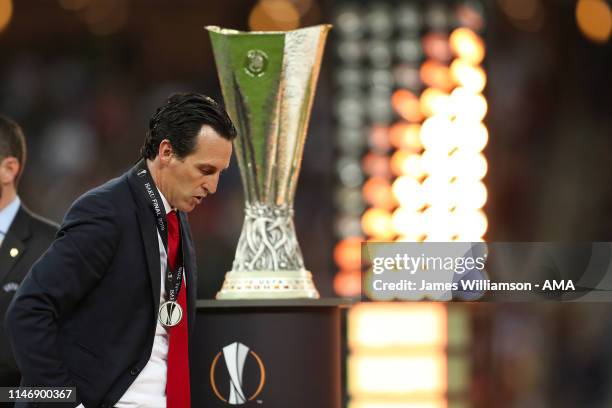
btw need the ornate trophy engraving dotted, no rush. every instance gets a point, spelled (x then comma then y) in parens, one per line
(268, 81)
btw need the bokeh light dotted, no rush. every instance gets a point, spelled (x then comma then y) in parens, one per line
(408, 224)
(471, 224)
(6, 13)
(435, 102)
(377, 193)
(374, 164)
(470, 135)
(403, 135)
(437, 192)
(468, 164)
(347, 283)
(468, 194)
(438, 225)
(408, 192)
(435, 74)
(376, 223)
(379, 138)
(274, 15)
(468, 45)
(468, 104)
(347, 253)
(470, 14)
(435, 45)
(470, 77)
(406, 104)
(594, 19)
(437, 163)
(437, 134)
(405, 162)
(397, 161)
(527, 15)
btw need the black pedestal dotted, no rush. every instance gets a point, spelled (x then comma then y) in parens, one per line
(291, 352)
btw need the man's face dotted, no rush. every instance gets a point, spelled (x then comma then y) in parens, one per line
(189, 180)
(9, 170)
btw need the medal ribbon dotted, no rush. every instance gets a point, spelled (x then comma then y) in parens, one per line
(173, 281)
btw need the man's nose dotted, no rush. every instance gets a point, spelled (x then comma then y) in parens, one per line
(210, 185)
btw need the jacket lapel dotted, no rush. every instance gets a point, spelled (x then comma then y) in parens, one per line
(148, 231)
(13, 245)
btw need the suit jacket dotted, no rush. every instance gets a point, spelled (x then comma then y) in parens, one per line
(85, 315)
(27, 238)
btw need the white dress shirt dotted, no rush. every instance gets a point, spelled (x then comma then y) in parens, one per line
(7, 215)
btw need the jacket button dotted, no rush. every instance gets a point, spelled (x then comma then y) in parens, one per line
(134, 371)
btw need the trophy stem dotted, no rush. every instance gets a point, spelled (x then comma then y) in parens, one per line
(268, 261)
(268, 240)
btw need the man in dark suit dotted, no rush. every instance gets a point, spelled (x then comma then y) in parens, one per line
(109, 307)
(24, 236)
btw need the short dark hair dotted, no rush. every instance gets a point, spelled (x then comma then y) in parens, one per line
(180, 119)
(12, 143)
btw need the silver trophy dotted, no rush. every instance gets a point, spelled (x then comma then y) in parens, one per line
(268, 81)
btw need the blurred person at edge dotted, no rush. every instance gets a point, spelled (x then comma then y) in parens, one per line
(24, 236)
(109, 308)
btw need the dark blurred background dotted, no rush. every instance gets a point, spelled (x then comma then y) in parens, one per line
(82, 77)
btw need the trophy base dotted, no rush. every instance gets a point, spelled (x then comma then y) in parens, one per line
(268, 285)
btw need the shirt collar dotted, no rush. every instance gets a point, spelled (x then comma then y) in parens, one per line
(7, 215)
(166, 203)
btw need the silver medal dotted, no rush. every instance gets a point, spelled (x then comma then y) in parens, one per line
(170, 314)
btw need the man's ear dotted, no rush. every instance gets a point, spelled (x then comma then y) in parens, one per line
(9, 170)
(165, 151)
